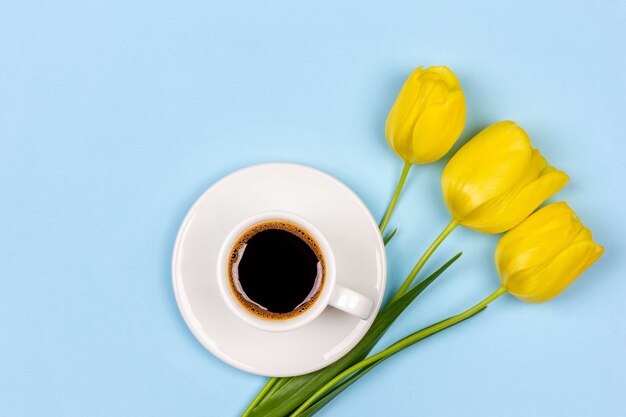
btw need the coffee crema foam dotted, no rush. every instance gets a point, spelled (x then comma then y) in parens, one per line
(236, 255)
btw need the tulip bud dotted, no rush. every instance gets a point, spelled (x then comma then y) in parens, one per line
(427, 117)
(540, 257)
(497, 179)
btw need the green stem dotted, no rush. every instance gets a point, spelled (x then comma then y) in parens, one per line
(270, 383)
(398, 346)
(418, 266)
(394, 199)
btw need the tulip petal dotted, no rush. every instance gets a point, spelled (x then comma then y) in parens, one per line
(538, 239)
(489, 165)
(445, 121)
(539, 258)
(541, 285)
(418, 126)
(543, 222)
(403, 113)
(508, 210)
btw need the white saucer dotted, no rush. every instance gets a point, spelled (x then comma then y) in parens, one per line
(338, 213)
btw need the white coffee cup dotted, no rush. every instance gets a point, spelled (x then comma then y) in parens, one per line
(331, 293)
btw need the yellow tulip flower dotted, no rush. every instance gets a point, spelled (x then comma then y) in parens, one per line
(424, 122)
(540, 257)
(427, 117)
(497, 179)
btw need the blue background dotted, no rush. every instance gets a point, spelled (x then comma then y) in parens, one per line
(116, 115)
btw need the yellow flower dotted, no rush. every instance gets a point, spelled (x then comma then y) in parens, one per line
(427, 117)
(539, 258)
(497, 179)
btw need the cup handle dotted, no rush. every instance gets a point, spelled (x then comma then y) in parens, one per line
(351, 302)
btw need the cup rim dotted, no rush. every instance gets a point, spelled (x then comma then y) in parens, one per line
(284, 324)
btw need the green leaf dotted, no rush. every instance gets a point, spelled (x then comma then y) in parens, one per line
(293, 393)
(390, 236)
(339, 388)
(279, 383)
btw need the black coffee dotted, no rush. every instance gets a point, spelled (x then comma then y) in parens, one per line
(276, 270)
